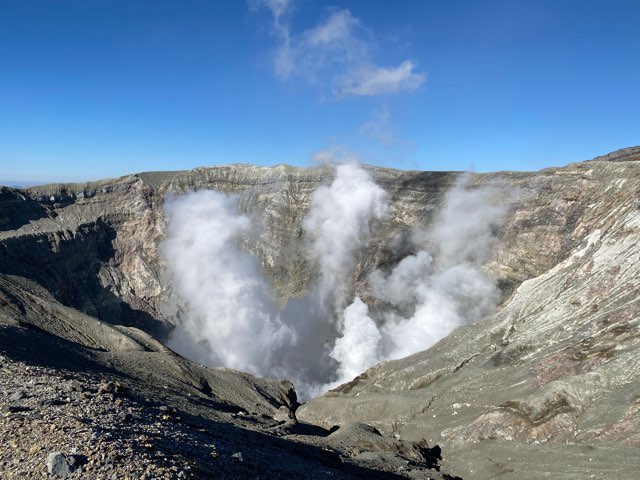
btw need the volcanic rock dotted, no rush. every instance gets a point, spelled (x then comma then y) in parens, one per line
(60, 465)
(544, 387)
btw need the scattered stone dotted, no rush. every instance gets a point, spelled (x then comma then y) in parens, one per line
(75, 386)
(114, 388)
(237, 457)
(53, 402)
(59, 464)
(284, 428)
(283, 414)
(125, 417)
(18, 395)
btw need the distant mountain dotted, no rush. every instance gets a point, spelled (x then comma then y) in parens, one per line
(18, 184)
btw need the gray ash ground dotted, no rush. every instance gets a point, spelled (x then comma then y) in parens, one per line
(107, 434)
(107, 431)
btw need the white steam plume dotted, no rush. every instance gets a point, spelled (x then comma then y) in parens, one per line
(338, 225)
(359, 346)
(463, 230)
(231, 318)
(428, 298)
(451, 291)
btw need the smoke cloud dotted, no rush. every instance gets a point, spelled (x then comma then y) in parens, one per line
(338, 225)
(451, 291)
(359, 346)
(229, 316)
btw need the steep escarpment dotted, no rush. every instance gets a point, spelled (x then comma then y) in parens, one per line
(75, 249)
(557, 365)
(124, 279)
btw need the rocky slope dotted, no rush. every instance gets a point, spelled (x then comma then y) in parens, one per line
(545, 386)
(554, 373)
(82, 398)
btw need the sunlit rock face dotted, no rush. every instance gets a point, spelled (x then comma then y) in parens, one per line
(557, 365)
(553, 372)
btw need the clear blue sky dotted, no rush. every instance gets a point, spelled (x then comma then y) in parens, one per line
(97, 88)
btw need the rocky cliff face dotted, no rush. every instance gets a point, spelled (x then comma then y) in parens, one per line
(102, 238)
(554, 373)
(543, 385)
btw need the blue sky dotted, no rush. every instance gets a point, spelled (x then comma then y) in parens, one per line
(99, 88)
